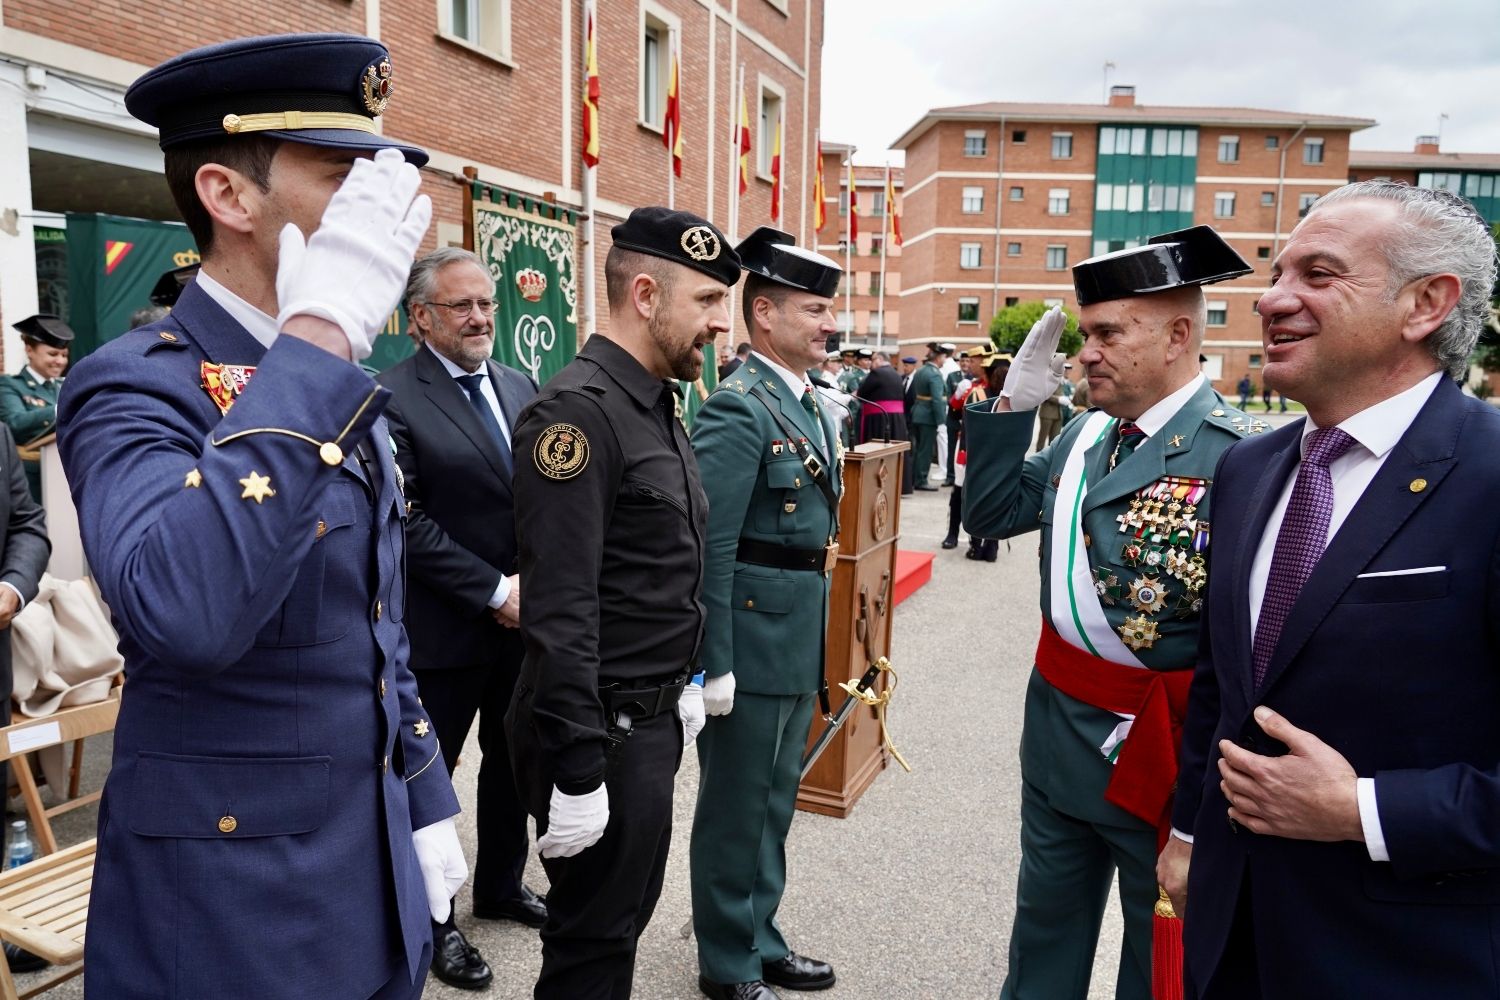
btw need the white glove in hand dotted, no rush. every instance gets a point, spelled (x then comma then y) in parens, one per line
(1037, 370)
(574, 823)
(690, 711)
(441, 858)
(718, 694)
(353, 270)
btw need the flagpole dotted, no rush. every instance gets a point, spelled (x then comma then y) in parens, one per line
(885, 232)
(732, 189)
(590, 293)
(849, 248)
(673, 75)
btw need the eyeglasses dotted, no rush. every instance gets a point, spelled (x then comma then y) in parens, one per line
(463, 307)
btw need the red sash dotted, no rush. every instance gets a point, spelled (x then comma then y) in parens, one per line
(1145, 772)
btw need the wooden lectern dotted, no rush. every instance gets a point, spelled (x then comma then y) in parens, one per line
(859, 623)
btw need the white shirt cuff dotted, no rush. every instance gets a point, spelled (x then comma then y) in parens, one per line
(1186, 838)
(1369, 819)
(502, 592)
(17, 591)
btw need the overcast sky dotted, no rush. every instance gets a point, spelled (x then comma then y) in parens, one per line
(1399, 62)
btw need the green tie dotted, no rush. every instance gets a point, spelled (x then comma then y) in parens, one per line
(1130, 437)
(811, 406)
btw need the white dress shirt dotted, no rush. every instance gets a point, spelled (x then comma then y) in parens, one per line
(1375, 432)
(256, 323)
(1153, 420)
(795, 381)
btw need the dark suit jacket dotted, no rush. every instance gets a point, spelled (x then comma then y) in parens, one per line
(24, 547)
(461, 531)
(1400, 674)
(883, 385)
(728, 368)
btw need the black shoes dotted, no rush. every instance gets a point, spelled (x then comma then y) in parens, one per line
(798, 973)
(736, 991)
(458, 963)
(925, 487)
(21, 960)
(528, 908)
(951, 542)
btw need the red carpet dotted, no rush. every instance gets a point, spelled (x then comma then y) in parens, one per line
(913, 570)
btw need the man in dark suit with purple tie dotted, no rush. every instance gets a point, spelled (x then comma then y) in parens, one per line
(1337, 821)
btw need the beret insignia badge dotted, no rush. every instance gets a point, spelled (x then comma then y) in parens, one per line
(701, 243)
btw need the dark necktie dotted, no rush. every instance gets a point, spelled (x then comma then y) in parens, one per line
(1300, 543)
(811, 406)
(472, 384)
(1130, 438)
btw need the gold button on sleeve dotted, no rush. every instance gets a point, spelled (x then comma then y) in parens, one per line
(330, 453)
(228, 824)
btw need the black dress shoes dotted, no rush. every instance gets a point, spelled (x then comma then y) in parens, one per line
(458, 963)
(951, 542)
(925, 488)
(798, 973)
(736, 991)
(21, 960)
(528, 908)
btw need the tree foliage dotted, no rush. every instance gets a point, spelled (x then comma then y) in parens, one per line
(1009, 327)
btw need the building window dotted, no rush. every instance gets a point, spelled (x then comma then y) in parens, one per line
(1262, 253)
(968, 255)
(1312, 150)
(1057, 258)
(1223, 204)
(877, 245)
(877, 203)
(1305, 203)
(770, 121)
(1057, 201)
(877, 323)
(1012, 249)
(484, 23)
(1440, 181)
(1018, 135)
(846, 321)
(1273, 142)
(1011, 300)
(968, 310)
(656, 65)
(874, 283)
(1268, 199)
(1218, 313)
(1049, 303)
(974, 142)
(1255, 361)
(1017, 193)
(1229, 149)
(973, 201)
(1062, 145)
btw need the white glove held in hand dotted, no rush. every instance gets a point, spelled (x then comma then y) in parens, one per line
(690, 711)
(1037, 370)
(353, 270)
(574, 823)
(441, 858)
(718, 694)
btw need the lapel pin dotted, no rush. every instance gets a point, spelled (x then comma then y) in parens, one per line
(1418, 485)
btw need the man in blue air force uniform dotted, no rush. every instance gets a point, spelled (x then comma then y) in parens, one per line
(277, 821)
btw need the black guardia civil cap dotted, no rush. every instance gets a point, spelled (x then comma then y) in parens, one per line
(776, 256)
(45, 328)
(1196, 256)
(318, 89)
(682, 238)
(171, 283)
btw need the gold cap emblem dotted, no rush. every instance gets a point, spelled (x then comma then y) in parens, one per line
(701, 243)
(376, 86)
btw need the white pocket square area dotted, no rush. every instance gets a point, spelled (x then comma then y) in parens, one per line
(1403, 572)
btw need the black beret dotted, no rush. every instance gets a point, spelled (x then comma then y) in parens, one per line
(45, 328)
(682, 238)
(1195, 256)
(774, 255)
(318, 89)
(171, 283)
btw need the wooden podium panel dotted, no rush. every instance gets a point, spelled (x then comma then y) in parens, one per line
(860, 603)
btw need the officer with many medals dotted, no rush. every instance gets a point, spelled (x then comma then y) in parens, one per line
(1122, 500)
(771, 464)
(610, 522)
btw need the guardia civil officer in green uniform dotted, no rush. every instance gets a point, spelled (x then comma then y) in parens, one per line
(770, 459)
(28, 399)
(927, 414)
(1123, 500)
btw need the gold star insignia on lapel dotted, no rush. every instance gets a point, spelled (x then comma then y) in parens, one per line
(192, 480)
(421, 728)
(1176, 440)
(257, 487)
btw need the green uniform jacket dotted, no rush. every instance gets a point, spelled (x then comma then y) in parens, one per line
(764, 624)
(1007, 493)
(931, 405)
(850, 379)
(29, 408)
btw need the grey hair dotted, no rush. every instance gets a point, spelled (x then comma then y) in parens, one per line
(422, 281)
(1439, 233)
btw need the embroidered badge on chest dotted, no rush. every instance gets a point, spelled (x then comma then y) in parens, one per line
(224, 383)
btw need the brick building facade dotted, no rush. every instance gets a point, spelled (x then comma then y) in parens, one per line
(493, 84)
(865, 317)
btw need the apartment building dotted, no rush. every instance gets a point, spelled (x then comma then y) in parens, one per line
(1002, 199)
(1476, 176)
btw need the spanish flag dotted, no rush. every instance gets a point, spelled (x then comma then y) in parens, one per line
(744, 141)
(853, 206)
(820, 197)
(591, 98)
(776, 172)
(671, 135)
(890, 207)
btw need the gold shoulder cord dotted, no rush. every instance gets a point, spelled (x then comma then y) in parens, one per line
(329, 451)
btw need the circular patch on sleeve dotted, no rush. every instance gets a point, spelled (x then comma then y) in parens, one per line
(561, 452)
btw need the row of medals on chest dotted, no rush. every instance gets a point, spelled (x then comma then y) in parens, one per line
(1165, 537)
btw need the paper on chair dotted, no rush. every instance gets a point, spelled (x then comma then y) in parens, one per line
(32, 737)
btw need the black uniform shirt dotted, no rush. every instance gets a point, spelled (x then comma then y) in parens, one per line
(610, 521)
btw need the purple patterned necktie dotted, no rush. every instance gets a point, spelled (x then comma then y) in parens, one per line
(1300, 543)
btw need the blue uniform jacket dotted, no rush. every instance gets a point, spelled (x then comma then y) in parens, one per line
(271, 758)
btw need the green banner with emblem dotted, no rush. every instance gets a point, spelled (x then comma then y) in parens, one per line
(112, 264)
(531, 259)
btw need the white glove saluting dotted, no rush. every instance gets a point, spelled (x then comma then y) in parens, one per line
(718, 694)
(353, 269)
(441, 859)
(1038, 369)
(690, 711)
(574, 823)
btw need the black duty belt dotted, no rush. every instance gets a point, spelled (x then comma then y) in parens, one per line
(821, 559)
(641, 702)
